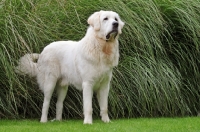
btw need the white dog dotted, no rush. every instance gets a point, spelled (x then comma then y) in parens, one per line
(86, 64)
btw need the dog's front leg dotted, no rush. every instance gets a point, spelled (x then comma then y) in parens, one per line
(102, 96)
(87, 102)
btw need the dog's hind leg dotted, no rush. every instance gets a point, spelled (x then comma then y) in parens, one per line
(61, 91)
(49, 85)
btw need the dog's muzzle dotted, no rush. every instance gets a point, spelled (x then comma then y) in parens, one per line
(114, 31)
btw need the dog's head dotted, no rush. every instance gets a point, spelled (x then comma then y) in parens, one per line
(107, 24)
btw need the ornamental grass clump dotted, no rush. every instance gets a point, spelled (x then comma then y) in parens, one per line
(158, 73)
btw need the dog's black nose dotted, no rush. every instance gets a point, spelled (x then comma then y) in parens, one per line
(115, 24)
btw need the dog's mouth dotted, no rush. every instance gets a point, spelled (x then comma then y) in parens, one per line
(111, 35)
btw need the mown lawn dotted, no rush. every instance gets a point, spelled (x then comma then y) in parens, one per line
(187, 124)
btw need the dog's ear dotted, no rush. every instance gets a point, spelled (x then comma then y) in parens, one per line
(94, 21)
(121, 25)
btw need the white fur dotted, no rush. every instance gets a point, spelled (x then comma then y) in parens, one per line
(86, 64)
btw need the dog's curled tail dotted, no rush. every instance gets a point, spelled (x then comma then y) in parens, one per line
(28, 65)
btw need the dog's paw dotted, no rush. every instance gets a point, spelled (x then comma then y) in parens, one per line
(43, 120)
(87, 120)
(105, 119)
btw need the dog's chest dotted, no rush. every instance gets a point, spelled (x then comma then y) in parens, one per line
(109, 54)
(101, 75)
(108, 49)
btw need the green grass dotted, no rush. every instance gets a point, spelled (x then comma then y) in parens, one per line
(189, 124)
(159, 69)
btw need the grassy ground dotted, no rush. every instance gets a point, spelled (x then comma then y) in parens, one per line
(189, 124)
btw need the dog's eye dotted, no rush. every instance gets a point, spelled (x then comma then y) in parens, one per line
(116, 19)
(105, 18)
